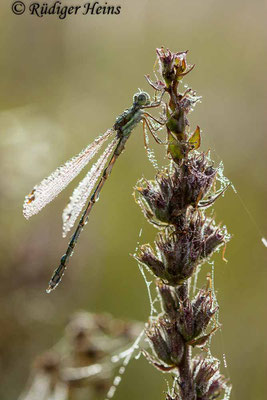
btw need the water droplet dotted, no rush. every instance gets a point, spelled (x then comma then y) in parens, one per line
(122, 370)
(117, 380)
(224, 361)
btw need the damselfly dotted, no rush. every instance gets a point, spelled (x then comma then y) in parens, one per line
(51, 186)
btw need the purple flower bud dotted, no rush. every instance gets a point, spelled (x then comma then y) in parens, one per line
(169, 299)
(146, 256)
(178, 253)
(174, 340)
(203, 311)
(167, 199)
(208, 380)
(185, 320)
(172, 66)
(166, 341)
(159, 345)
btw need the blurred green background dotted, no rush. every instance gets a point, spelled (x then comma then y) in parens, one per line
(63, 83)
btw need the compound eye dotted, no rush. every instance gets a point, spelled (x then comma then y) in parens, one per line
(143, 99)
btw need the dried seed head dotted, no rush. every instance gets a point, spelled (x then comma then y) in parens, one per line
(166, 341)
(166, 61)
(169, 299)
(208, 380)
(147, 256)
(209, 383)
(203, 310)
(173, 339)
(178, 253)
(165, 200)
(185, 320)
(158, 343)
(191, 318)
(172, 66)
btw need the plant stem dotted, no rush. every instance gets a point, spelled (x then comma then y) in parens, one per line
(185, 376)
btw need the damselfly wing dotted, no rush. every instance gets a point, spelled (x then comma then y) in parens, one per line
(50, 187)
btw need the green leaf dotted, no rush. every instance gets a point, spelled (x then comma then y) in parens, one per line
(195, 139)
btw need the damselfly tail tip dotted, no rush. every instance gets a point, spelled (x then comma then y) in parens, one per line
(51, 287)
(57, 275)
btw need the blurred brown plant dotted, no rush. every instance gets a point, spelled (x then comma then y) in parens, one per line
(80, 364)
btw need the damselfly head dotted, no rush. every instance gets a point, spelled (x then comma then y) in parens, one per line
(141, 99)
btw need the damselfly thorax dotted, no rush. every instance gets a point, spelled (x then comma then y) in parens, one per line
(94, 180)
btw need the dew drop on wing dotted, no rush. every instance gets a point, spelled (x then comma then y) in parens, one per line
(224, 361)
(83, 190)
(121, 370)
(51, 186)
(117, 380)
